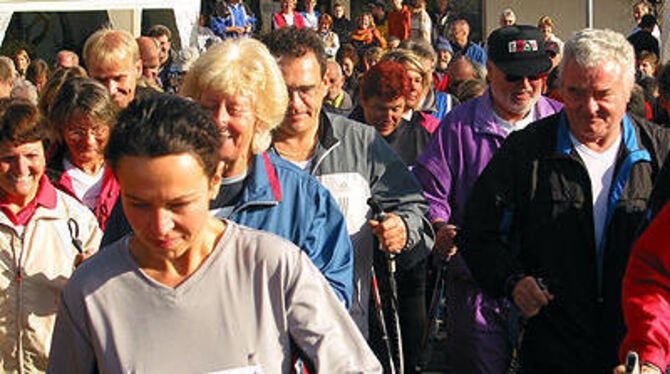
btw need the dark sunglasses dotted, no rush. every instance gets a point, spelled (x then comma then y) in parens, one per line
(516, 78)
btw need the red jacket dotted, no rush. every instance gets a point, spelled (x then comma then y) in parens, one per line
(280, 21)
(108, 194)
(646, 295)
(399, 23)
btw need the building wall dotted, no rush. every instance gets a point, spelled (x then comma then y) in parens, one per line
(568, 15)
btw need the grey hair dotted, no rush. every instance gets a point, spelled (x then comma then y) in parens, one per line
(24, 89)
(479, 70)
(589, 48)
(508, 12)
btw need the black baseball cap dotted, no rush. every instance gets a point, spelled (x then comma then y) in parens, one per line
(518, 50)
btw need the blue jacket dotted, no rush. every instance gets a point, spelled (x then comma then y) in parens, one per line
(235, 15)
(284, 200)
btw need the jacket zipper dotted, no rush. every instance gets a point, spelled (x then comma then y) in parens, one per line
(19, 290)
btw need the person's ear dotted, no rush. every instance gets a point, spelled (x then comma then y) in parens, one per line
(215, 181)
(138, 68)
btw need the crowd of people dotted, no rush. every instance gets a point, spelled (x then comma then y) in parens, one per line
(283, 201)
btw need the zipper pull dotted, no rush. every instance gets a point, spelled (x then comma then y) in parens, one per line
(19, 277)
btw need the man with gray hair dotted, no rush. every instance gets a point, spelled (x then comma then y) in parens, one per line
(7, 76)
(550, 222)
(507, 17)
(459, 150)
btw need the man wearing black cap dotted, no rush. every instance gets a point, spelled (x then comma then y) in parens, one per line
(550, 222)
(458, 152)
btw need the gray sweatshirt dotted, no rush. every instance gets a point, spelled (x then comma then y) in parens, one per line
(240, 309)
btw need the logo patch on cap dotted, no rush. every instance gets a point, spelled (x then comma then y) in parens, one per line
(517, 46)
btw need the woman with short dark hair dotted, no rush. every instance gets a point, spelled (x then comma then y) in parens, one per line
(44, 233)
(81, 117)
(209, 295)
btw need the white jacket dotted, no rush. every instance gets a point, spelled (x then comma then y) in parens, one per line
(34, 267)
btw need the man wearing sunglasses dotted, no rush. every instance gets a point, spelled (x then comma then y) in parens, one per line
(460, 149)
(551, 220)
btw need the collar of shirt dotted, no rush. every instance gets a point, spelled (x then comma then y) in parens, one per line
(46, 197)
(337, 102)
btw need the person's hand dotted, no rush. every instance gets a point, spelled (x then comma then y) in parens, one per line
(444, 243)
(81, 257)
(645, 369)
(529, 297)
(391, 232)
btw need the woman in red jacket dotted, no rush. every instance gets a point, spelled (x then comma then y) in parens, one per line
(288, 16)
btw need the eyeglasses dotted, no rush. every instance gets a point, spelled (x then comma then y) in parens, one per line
(305, 92)
(517, 78)
(81, 133)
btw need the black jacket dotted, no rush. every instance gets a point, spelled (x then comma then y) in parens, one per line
(531, 213)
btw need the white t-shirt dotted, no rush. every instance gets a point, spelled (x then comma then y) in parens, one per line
(86, 187)
(510, 127)
(303, 165)
(600, 167)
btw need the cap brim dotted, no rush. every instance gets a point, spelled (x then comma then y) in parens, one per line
(525, 67)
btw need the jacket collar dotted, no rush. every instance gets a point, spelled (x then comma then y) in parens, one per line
(44, 205)
(485, 121)
(263, 184)
(327, 137)
(564, 143)
(430, 102)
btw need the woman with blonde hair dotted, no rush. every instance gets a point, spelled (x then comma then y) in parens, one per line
(240, 84)
(21, 62)
(548, 29)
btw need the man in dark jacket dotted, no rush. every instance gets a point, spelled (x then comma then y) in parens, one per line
(551, 221)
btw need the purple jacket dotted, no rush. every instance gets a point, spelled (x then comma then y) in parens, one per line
(459, 151)
(457, 154)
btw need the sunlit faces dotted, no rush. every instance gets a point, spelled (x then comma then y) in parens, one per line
(384, 115)
(165, 45)
(338, 11)
(647, 67)
(86, 140)
(119, 75)
(335, 81)
(459, 32)
(639, 10)
(363, 22)
(236, 117)
(306, 90)
(287, 5)
(347, 66)
(443, 59)
(546, 31)
(415, 88)
(21, 167)
(512, 100)
(166, 201)
(506, 20)
(21, 62)
(324, 26)
(595, 100)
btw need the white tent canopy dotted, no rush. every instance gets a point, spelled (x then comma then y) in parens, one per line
(123, 14)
